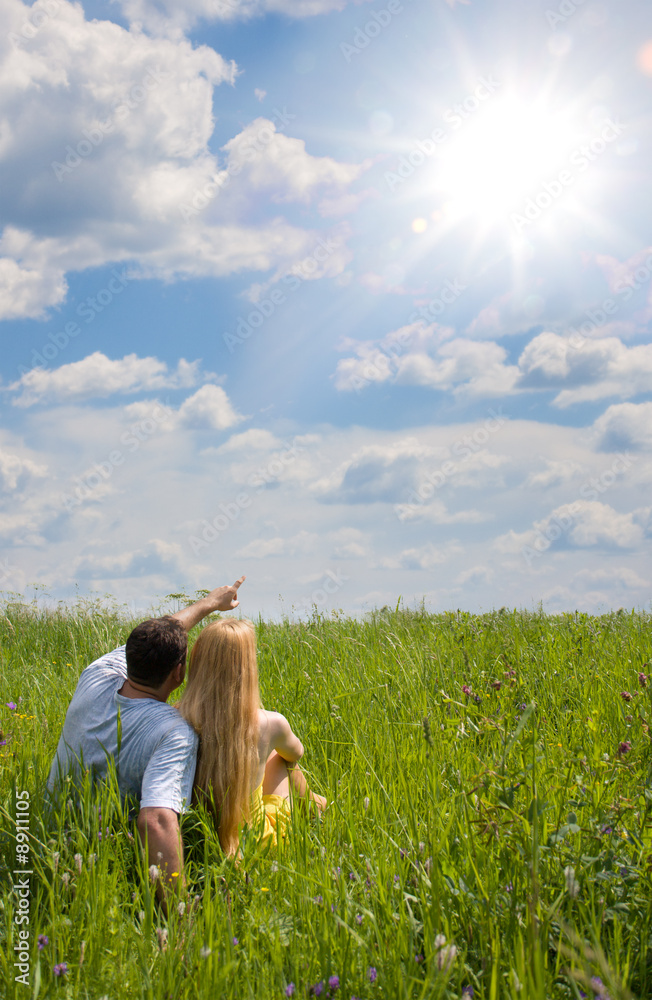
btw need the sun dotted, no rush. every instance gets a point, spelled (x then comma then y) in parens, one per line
(497, 157)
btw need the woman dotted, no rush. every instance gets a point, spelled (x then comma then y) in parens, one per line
(246, 759)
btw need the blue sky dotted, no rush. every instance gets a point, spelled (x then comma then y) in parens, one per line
(353, 298)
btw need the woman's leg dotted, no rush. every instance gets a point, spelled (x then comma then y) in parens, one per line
(288, 782)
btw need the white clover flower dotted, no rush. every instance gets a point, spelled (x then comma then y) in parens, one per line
(440, 941)
(446, 956)
(181, 908)
(154, 872)
(572, 885)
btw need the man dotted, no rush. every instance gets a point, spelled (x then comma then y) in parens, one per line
(119, 712)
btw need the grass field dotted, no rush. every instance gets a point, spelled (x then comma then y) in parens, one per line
(490, 833)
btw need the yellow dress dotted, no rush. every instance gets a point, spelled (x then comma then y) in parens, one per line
(270, 815)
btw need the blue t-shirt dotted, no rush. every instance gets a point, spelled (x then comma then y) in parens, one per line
(158, 748)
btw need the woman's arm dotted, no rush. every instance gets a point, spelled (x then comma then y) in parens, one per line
(282, 739)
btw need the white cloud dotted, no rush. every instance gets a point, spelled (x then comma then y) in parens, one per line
(28, 292)
(556, 472)
(209, 408)
(594, 370)
(16, 472)
(425, 356)
(261, 548)
(286, 170)
(375, 474)
(619, 576)
(255, 439)
(475, 576)
(108, 158)
(422, 558)
(578, 525)
(583, 371)
(165, 16)
(97, 376)
(624, 426)
(154, 558)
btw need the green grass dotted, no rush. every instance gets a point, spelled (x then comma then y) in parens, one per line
(510, 825)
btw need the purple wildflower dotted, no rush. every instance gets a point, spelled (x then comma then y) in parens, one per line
(496, 685)
(317, 989)
(43, 940)
(642, 680)
(11, 704)
(466, 690)
(418, 959)
(477, 699)
(372, 975)
(289, 990)
(624, 747)
(318, 900)
(607, 829)
(468, 993)
(61, 969)
(235, 940)
(625, 695)
(334, 983)
(358, 918)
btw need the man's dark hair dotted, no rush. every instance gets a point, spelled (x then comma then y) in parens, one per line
(154, 649)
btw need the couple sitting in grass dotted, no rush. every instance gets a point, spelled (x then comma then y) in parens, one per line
(217, 745)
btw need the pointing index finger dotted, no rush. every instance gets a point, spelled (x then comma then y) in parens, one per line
(239, 582)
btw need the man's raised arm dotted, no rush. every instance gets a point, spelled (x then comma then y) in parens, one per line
(220, 599)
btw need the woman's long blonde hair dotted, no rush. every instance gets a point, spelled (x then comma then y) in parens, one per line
(221, 703)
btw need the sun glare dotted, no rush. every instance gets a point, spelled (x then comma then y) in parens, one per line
(498, 158)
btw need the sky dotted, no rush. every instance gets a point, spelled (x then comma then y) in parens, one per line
(349, 297)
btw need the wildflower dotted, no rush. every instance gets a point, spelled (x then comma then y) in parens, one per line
(477, 699)
(61, 969)
(446, 956)
(317, 989)
(43, 940)
(289, 990)
(11, 704)
(334, 983)
(154, 872)
(372, 975)
(642, 680)
(422, 847)
(318, 900)
(418, 959)
(572, 885)
(181, 908)
(358, 918)
(466, 690)
(235, 941)
(624, 747)
(65, 878)
(496, 685)
(625, 695)
(468, 993)
(440, 941)
(206, 951)
(522, 707)
(366, 802)
(162, 935)
(78, 863)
